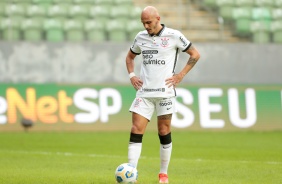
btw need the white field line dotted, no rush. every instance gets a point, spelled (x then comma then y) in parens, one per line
(68, 154)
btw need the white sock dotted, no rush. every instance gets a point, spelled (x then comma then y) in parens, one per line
(165, 153)
(134, 152)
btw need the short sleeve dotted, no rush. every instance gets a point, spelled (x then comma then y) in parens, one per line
(182, 42)
(135, 49)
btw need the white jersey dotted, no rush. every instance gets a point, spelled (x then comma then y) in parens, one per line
(160, 53)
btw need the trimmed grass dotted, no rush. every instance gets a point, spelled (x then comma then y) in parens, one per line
(92, 157)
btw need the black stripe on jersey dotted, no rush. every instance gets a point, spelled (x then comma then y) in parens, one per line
(134, 52)
(175, 60)
(173, 71)
(187, 47)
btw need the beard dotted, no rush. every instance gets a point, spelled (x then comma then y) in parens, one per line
(153, 30)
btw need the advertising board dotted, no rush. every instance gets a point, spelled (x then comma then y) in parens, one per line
(105, 107)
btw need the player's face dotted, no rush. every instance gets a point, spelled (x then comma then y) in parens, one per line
(150, 23)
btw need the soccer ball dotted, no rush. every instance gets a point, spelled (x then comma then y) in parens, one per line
(126, 173)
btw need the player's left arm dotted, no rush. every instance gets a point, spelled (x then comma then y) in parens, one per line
(177, 78)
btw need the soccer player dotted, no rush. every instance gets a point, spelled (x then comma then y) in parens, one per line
(159, 47)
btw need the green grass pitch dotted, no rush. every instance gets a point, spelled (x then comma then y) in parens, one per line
(205, 157)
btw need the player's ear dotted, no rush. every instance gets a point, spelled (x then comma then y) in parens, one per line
(158, 18)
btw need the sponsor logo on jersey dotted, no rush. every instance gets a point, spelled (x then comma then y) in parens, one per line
(155, 45)
(154, 90)
(183, 41)
(148, 58)
(150, 52)
(154, 62)
(134, 43)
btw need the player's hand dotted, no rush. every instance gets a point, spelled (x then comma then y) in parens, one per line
(173, 81)
(136, 82)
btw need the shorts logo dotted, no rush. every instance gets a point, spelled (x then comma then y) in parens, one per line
(137, 102)
(165, 103)
(164, 42)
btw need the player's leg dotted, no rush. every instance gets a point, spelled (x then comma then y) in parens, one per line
(164, 123)
(142, 110)
(135, 142)
(165, 108)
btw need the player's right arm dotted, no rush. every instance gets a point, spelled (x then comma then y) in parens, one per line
(135, 81)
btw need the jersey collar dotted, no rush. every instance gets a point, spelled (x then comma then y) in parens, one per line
(160, 32)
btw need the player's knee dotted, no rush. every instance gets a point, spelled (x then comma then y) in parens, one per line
(163, 130)
(137, 129)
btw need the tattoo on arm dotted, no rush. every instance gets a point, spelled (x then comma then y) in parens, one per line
(191, 61)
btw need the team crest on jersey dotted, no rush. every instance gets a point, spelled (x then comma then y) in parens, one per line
(164, 42)
(137, 102)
